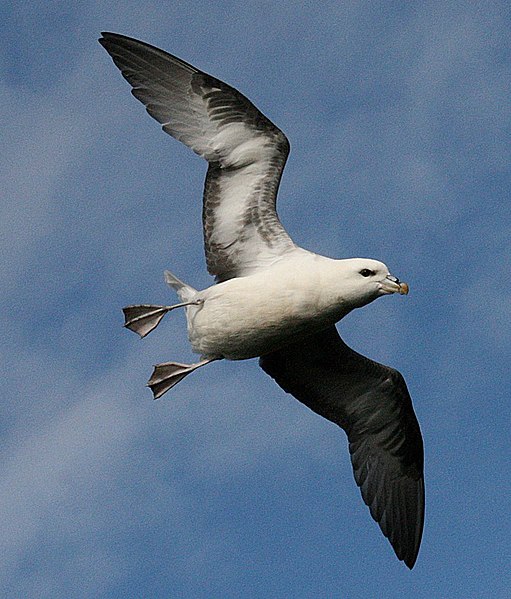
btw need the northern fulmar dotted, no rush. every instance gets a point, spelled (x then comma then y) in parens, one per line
(273, 299)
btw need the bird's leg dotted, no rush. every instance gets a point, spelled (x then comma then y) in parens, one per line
(142, 319)
(168, 374)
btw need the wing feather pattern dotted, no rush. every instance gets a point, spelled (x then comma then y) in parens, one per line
(245, 150)
(372, 404)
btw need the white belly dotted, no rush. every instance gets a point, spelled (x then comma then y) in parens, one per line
(250, 316)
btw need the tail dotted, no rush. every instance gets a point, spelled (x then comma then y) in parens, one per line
(184, 291)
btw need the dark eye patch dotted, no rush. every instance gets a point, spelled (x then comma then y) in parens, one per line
(365, 272)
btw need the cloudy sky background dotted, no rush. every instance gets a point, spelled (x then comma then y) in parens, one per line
(399, 119)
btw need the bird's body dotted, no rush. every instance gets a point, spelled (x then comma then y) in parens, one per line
(273, 299)
(251, 316)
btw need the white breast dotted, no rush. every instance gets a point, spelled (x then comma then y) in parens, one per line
(250, 316)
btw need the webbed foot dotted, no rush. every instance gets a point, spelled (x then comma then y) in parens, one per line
(168, 374)
(144, 318)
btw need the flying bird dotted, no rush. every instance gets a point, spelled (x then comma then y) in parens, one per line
(273, 299)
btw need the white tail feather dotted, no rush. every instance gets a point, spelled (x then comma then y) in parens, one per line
(184, 291)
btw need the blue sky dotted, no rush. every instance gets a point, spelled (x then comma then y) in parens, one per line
(398, 114)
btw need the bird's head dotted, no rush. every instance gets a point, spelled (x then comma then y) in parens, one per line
(364, 280)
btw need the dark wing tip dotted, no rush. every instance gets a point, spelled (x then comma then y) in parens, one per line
(110, 40)
(402, 522)
(387, 456)
(411, 555)
(108, 36)
(105, 35)
(397, 505)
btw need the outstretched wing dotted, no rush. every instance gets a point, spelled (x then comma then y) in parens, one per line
(372, 404)
(246, 153)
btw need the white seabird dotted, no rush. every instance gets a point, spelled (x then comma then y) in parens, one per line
(273, 299)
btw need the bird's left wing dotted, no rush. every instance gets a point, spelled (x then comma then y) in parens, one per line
(372, 404)
(245, 150)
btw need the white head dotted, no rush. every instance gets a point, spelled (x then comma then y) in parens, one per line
(363, 280)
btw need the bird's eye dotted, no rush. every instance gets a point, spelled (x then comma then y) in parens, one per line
(365, 272)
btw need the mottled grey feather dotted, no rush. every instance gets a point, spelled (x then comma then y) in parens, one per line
(372, 404)
(246, 152)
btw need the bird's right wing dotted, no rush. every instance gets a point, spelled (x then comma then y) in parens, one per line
(245, 150)
(372, 404)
